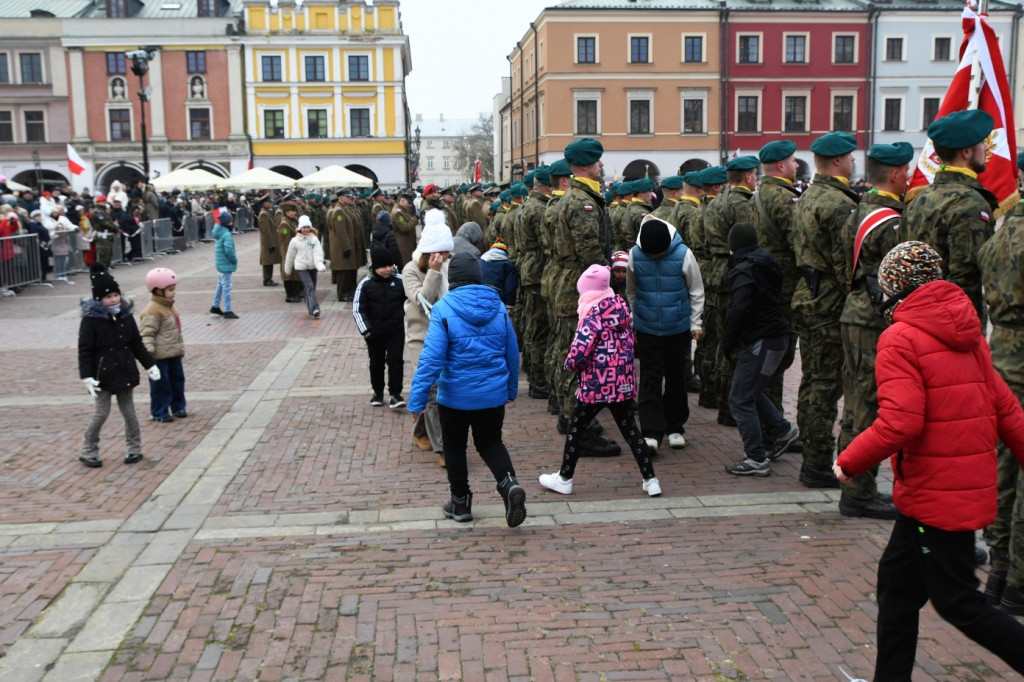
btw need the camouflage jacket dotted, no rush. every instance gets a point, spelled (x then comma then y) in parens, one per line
(778, 198)
(550, 265)
(818, 220)
(954, 216)
(1002, 260)
(527, 254)
(635, 213)
(859, 309)
(666, 210)
(579, 239)
(616, 218)
(731, 206)
(683, 213)
(698, 238)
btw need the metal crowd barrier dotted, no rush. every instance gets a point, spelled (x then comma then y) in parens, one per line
(244, 220)
(209, 220)
(163, 237)
(20, 263)
(190, 230)
(146, 240)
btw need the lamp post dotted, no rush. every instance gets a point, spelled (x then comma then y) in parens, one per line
(414, 156)
(140, 66)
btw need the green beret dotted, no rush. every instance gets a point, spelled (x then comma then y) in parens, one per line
(961, 129)
(311, 196)
(673, 182)
(895, 154)
(583, 152)
(462, 188)
(621, 189)
(642, 185)
(542, 175)
(1020, 161)
(495, 205)
(608, 196)
(713, 175)
(528, 179)
(560, 169)
(506, 196)
(518, 190)
(692, 178)
(834, 144)
(743, 163)
(776, 150)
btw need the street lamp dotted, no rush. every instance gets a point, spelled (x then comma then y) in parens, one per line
(414, 156)
(140, 66)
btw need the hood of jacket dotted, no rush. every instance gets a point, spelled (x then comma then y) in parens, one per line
(941, 309)
(495, 255)
(219, 231)
(93, 308)
(471, 232)
(477, 304)
(380, 230)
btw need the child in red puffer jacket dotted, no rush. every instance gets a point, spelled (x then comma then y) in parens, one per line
(602, 355)
(942, 409)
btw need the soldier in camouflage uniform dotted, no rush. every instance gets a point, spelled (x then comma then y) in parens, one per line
(561, 177)
(448, 206)
(580, 238)
(1001, 260)
(460, 203)
(954, 215)
(688, 205)
(287, 227)
(776, 196)
(518, 193)
(818, 221)
(639, 206)
(712, 180)
(403, 222)
(623, 191)
(528, 258)
(104, 232)
(495, 227)
(671, 191)
(733, 205)
(869, 233)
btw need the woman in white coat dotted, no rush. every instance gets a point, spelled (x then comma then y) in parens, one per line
(306, 257)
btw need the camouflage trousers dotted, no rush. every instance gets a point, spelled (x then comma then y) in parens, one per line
(536, 331)
(565, 383)
(707, 347)
(821, 387)
(860, 398)
(725, 365)
(1005, 536)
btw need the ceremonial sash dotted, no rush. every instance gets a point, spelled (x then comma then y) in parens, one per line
(870, 222)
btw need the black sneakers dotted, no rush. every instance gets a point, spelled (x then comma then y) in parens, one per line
(515, 501)
(377, 400)
(782, 443)
(460, 508)
(214, 310)
(396, 402)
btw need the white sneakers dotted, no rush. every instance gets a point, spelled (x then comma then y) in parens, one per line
(676, 440)
(652, 487)
(652, 445)
(557, 483)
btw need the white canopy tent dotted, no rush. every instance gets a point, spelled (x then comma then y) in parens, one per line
(334, 176)
(187, 178)
(258, 178)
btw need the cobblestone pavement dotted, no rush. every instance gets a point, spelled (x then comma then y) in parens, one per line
(287, 530)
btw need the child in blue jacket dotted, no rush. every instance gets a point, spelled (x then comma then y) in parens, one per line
(226, 262)
(471, 354)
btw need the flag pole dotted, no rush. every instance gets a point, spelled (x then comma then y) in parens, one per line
(974, 91)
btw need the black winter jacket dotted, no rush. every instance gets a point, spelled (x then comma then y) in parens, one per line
(379, 306)
(109, 345)
(383, 235)
(755, 280)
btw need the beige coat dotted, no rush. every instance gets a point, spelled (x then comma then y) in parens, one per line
(160, 329)
(433, 286)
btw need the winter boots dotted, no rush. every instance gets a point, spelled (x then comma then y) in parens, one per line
(515, 500)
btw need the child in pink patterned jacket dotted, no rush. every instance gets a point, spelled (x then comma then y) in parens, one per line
(602, 355)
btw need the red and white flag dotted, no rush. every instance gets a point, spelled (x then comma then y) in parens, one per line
(1000, 175)
(76, 164)
(477, 173)
(735, 154)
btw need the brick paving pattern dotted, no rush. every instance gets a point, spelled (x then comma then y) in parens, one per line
(287, 530)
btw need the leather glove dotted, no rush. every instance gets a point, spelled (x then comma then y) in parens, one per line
(347, 254)
(321, 267)
(92, 385)
(154, 373)
(271, 249)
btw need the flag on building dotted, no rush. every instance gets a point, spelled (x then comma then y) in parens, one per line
(76, 164)
(477, 173)
(735, 154)
(979, 50)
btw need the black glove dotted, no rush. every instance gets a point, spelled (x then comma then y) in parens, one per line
(347, 254)
(272, 249)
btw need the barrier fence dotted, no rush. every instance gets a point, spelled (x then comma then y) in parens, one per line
(20, 262)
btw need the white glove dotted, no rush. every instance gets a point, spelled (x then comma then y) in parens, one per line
(92, 385)
(320, 267)
(154, 373)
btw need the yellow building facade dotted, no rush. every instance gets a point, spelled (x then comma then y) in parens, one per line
(325, 84)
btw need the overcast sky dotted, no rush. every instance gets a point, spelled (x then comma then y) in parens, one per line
(458, 52)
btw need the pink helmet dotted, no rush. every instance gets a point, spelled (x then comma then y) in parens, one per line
(160, 278)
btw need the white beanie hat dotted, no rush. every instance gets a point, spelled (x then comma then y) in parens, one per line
(436, 234)
(304, 221)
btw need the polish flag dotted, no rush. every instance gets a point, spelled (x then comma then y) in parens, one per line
(76, 164)
(477, 171)
(735, 154)
(980, 49)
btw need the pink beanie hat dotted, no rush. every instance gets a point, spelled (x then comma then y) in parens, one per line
(595, 279)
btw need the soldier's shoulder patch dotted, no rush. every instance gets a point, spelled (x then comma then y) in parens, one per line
(986, 217)
(588, 207)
